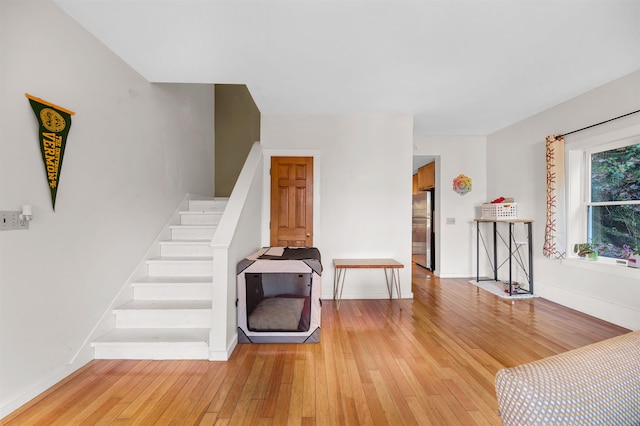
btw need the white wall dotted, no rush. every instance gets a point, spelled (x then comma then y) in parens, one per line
(516, 165)
(364, 190)
(455, 243)
(134, 150)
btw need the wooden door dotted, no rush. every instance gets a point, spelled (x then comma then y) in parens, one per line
(292, 201)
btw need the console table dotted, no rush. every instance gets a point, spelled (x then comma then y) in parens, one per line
(391, 272)
(514, 251)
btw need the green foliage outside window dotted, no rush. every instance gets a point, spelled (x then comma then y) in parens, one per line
(615, 177)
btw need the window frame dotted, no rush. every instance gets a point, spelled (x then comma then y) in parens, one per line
(578, 152)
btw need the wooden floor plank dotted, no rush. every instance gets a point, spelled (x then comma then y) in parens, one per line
(49, 402)
(202, 395)
(268, 391)
(163, 395)
(297, 390)
(375, 405)
(323, 413)
(228, 394)
(427, 361)
(117, 387)
(281, 415)
(174, 411)
(309, 385)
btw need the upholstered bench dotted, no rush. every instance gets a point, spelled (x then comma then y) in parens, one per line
(598, 384)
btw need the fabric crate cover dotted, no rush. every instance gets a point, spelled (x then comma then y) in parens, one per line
(279, 262)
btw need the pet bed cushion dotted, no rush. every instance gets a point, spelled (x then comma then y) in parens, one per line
(277, 313)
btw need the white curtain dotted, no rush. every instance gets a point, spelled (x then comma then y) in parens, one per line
(555, 230)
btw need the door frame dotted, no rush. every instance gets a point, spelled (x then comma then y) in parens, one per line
(266, 190)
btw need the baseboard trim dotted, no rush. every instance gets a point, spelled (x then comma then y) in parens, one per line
(224, 355)
(466, 276)
(623, 316)
(21, 399)
(381, 295)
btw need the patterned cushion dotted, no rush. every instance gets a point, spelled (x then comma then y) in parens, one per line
(598, 384)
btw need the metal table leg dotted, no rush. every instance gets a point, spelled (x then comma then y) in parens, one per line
(393, 279)
(338, 285)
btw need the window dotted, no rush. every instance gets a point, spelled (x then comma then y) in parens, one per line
(613, 198)
(603, 192)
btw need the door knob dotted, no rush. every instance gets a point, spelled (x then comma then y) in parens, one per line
(308, 234)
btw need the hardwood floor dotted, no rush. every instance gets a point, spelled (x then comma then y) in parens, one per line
(430, 360)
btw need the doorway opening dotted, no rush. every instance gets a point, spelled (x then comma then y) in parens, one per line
(423, 248)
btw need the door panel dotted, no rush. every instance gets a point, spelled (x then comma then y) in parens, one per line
(292, 201)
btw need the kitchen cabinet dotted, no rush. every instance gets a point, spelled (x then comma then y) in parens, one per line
(415, 184)
(427, 177)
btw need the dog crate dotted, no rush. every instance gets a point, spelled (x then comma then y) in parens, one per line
(279, 296)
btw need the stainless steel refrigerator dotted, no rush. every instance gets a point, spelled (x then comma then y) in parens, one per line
(422, 235)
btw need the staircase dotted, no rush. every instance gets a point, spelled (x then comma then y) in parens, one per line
(170, 314)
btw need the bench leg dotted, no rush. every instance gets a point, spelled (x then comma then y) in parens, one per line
(338, 285)
(392, 275)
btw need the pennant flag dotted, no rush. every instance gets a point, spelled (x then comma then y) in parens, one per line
(54, 124)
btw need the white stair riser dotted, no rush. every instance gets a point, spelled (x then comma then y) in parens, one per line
(163, 318)
(164, 291)
(177, 249)
(155, 352)
(178, 269)
(207, 205)
(209, 218)
(192, 233)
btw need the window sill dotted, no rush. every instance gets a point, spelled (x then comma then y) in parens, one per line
(604, 267)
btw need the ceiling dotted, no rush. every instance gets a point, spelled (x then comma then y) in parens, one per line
(458, 67)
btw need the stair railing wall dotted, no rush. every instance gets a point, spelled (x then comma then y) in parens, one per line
(238, 235)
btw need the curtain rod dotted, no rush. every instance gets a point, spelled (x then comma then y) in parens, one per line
(597, 124)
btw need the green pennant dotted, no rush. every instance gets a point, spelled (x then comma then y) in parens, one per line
(54, 122)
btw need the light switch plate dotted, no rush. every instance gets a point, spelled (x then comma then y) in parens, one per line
(10, 221)
(451, 221)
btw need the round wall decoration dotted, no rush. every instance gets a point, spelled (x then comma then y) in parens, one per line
(462, 184)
